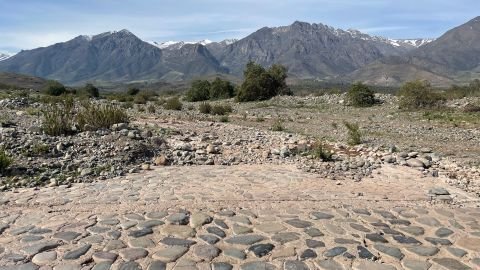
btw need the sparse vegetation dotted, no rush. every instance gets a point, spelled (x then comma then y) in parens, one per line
(418, 94)
(224, 119)
(91, 90)
(360, 95)
(205, 108)
(278, 125)
(151, 108)
(319, 151)
(174, 104)
(92, 116)
(54, 88)
(221, 109)
(354, 135)
(58, 118)
(262, 84)
(133, 91)
(5, 160)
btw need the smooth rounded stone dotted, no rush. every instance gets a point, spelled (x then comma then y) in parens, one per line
(76, 253)
(68, 266)
(314, 243)
(369, 265)
(140, 233)
(438, 241)
(415, 163)
(297, 223)
(376, 238)
(178, 219)
(44, 258)
(469, 243)
(285, 237)
(320, 215)
(295, 265)
(308, 254)
(270, 227)
(14, 257)
(343, 241)
(257, 266)
(403, 222)
(114, 245)
(100, 257)
(226, 213)
(234, 253)
(40, 231)
(220, 223)
(238, 229)
(172, 241)
(21, 230)
(364, 253)
(199, 219)
(133, 216)
(444, 212)
(451, 264)
(92, 239)
(39, 247)
(245, 239)
(335, 228)
(241, 219)
(206, 252)
(283, 252)
(261, 250)
(362, 212)
(221, 266)
(157, 265)
(416, 265)
(156, 215)
(142, 242)
(359, 227)
(110, 222)
(217, 231)
(170, 254)
(423, 251)
(66, 236)
(380, 225)
(406, 240)
(102, 266)
(97, 229)
(329, 264)
(210, 239)
(391, 231)
(132, 254)
(129, 266)
(413, 230)
(333, 252)
(180, 231)
(391, 251)
(385, 214)
(457, 252)
(31, 238)
(314, 232)
(150, 223)
(429, 221)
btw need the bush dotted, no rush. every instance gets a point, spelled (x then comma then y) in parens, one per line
(58, 118)
(470, 90)
(360, 95)
(224, 119)
(261, 84)
(354, 135)
(173, 104)
(133, 91)
(5, 160)
(221, 109)
(278, 126)
(221, 89)
(151, 108)
(91, 90)
(419, 95)
(205, 107)
(199, 91)
(319, 152)
(54, 88)
(97, 116)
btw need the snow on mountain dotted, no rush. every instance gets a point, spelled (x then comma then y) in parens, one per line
(412, 42)
(175, 45)
(4, 56)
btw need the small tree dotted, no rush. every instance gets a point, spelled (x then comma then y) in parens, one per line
(133, 91)
(419, 95)
(91, 90)
(199, 91)
(221, 89)
(360, 95)
(54, 88)
(354, 135)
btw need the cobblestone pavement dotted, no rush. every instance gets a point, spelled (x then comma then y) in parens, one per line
(241, 217)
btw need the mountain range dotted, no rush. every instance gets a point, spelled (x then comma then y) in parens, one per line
(310, 51)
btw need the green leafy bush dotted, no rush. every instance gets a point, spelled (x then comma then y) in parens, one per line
(199, 91)
(354, 135)
(360, 95)
(262, 84)
(91, 90)
(173, 103)
(54, 88)
(419, 95)
(5, 160)
(221, 89)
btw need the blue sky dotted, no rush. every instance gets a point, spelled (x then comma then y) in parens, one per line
(27, 24)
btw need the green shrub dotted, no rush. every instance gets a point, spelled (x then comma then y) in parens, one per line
(37, 150)
(91, 90)
(199, 91)
(173, 103)
(140, 99)
(54, 88)
(278, 125)
(320, 152)
(221, 109)
(360, 95)
(58, 118)
(205, 107)
(419, 95)
(5, 160)
(224, 119)
(151, 108)
(133, 91)
(261, 84)
(354, 135)
(93, 116)
(221, 89)
(470, 90)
